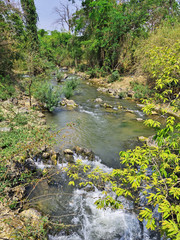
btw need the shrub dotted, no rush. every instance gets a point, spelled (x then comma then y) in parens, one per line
(122, 95)
(69, 86)
(82, 67)
(114, 77)
(48, 95)
(140, 90)
(93, 72)
(7, 89)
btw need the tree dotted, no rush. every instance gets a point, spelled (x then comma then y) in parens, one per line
(65, 14)
(31, 18)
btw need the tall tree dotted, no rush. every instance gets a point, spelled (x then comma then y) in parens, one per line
(31, 18)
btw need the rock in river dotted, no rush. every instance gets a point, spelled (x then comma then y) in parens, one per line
(68, 103)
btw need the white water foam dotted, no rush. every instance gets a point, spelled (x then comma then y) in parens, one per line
(100, 224)
(93, 164)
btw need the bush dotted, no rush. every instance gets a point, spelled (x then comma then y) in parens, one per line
(69, 86)
(122, 95)
(114, 77)
(7, 89)
(140, 90)
(82, 67)
(94, 72)
(48, 95)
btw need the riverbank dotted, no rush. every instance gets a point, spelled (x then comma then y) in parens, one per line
(24, 134)
(129, 88)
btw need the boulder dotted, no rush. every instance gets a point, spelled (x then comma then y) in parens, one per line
(31, 215)
(68, 152)
(98, 100)
(68, 103)
(84, 152)
(45, 155)
(30, 164)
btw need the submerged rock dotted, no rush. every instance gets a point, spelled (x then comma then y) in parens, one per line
(106, 105)
(84, 152)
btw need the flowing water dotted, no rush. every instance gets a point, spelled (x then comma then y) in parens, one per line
(106, 132)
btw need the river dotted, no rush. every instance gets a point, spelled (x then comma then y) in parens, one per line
(106, 132)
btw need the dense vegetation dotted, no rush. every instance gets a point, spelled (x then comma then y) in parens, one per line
(108, 38)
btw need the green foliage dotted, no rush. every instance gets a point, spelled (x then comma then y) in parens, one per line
(114, 77)
(60, 76)
(69, 87)
(160, 187)
(7, 88)
(140, 90)
(31, 17)
(21, 119)
(122, 95)
(47, 94)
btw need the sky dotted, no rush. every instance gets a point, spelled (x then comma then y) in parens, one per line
(46, 13)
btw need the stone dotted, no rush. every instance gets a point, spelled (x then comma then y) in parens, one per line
(142, 139)
(139, 119)
(120, 107)
(154, 113)
(42, 122)
(130, 94)
(15, 101)
(54, 159)
(151, 142)
(68, 103)
(30, 164)
(104, 90)
(99, 100)
(85, 152)
(106, 105)
(31, 214)
(78, 150)
(111, 91)
(23, 110)
(140, 105)
(68, 152)
(64, 68)
(40, 115)
(69, 158)
(5, 129)
(45, 155)
(18, 193)
(65, 76)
